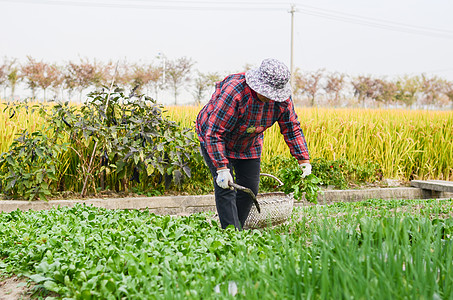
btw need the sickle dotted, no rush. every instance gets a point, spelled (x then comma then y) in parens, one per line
(248, 191)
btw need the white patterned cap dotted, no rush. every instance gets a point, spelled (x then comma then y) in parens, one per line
(271, 80)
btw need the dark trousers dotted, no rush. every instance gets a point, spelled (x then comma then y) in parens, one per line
(233, 207)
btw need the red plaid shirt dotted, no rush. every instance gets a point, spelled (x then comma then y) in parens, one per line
(231, 124)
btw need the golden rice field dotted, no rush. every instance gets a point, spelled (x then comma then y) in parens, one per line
(12, 123)
(403, 142)
(406, 143)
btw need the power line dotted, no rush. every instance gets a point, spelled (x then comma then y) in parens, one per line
(217, 2)
(255, 6)
(368, 19)
(426, 32)
(151, 6)
(347, 17)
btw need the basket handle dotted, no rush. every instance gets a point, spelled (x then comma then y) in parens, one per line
(248, 191)
(272, 176)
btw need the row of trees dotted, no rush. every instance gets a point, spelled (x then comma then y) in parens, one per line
(318, 88)
(76, 77)
(336, 89)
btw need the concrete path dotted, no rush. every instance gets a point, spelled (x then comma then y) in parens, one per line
(175, 205)
(434, 185)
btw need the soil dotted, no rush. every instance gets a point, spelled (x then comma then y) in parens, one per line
(20, 288)
(14, 288)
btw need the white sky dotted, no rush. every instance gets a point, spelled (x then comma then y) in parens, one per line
(224, 35)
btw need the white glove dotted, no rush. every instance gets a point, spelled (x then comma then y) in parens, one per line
(223, 178)
(306, 168)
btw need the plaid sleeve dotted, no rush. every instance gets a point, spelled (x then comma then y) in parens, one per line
(294, 137)
(221, 121)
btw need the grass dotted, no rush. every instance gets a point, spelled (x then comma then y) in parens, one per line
(364, 250)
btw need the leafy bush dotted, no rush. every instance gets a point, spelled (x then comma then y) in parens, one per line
(112, 140)
(342, 173)
(30, 166)
(367, 172)
(330, 172)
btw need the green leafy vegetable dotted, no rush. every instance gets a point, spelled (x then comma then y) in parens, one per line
(345, 250)
(298, 186)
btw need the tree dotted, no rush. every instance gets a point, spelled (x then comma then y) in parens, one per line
(448, 91)
(12, 75)
(138, 77)
(122, 75)
(147, 76)
(335, 84)
(40, 74)
(407, 89)
(46, 76)
(384, 91)
(308, 84)
(78, 76)
(3, 77)
(110, 71)
(178, 73)
(156, 80)
(30, 72)
(49, 74)
(84, 74)
(431, 90)
(298, 86)
(204, 82)
(13, 78)
(363, 87)
(69, 80)
(58, 82)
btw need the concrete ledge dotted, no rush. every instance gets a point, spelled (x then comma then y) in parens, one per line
(332, 196)
(191, 204)
(158, 205)
(435, 185)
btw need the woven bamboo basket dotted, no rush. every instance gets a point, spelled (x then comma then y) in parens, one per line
(276, 208)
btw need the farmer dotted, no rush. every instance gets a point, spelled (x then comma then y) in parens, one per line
(230, 129)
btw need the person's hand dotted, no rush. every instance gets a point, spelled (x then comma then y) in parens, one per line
(223, 178)
(306, 168)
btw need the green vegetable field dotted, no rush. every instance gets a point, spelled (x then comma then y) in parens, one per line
(365, 250)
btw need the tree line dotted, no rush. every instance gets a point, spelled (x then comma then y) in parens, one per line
(64, 81)
(68, 81)
(321, 88)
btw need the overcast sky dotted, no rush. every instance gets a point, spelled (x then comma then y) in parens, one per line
(373, 37)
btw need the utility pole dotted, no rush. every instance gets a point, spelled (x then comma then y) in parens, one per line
(292, 11)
